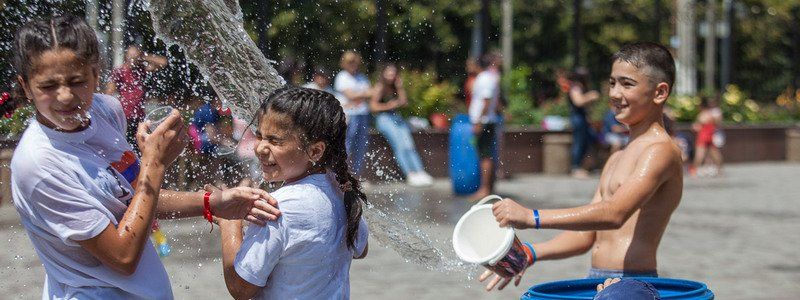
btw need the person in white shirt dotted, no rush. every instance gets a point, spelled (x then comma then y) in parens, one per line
(85, 199)
(355, 86)
(484, 117)
(306, 253)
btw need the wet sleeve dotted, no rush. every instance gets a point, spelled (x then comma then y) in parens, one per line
(262, 247)
(362, 238)
(64, 208)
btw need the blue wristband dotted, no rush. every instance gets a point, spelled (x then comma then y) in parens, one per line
(536, 218)
(533, 252)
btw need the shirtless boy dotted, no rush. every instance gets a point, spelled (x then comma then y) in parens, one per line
(640, 186)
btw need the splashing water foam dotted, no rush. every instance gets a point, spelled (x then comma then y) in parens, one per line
(212, 35)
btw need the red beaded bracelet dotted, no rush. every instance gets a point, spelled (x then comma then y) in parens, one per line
(207, 208)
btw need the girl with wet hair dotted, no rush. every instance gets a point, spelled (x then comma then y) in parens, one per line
(306, 253)
(86, 200)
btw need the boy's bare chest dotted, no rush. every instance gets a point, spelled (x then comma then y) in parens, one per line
(618, 171)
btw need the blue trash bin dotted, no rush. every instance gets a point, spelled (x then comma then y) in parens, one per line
(585, 289)
(465, 173)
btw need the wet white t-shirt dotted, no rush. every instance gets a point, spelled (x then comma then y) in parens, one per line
(68, 187)
(304, 254)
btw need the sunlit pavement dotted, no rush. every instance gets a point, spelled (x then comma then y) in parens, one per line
(738, 233)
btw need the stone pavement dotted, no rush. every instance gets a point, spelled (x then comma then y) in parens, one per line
(739, 234)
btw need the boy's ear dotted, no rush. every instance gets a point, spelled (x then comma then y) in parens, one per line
(25, 88)
(316, 150)
(661, 93)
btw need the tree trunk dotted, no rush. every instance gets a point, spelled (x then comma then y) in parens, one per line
(117, 25)
(508, 29)
(686, 81)
(711, 47)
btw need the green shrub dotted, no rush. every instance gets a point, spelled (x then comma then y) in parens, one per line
(14, 126)
(519, 90)
(427, 95)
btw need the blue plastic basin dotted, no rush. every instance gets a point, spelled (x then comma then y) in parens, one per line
(668, 288)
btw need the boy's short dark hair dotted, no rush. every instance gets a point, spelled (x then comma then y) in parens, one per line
(650, 55)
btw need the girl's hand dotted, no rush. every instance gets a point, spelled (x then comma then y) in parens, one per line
(499, 279)
(165, 143)
(247, 203)
(509, 213)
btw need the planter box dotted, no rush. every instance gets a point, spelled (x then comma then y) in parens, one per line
(523, 149)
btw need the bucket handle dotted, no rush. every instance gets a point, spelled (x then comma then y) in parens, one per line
(487, 199)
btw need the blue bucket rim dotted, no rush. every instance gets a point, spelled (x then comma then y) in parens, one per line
(699, 289)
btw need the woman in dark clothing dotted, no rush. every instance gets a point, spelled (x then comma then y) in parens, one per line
(580, 97)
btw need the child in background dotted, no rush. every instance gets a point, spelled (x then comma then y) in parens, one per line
(709, 138)
(85, 199)
(306, 253)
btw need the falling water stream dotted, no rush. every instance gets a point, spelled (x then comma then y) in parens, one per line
(212, 35)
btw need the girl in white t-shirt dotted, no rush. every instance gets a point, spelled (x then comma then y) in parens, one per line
(86, 200)
(306, 253)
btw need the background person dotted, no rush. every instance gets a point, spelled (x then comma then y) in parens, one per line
(390, 95)
(127, 81)
(356, 88)
(484, 117)
(580, 97)
(707, 126)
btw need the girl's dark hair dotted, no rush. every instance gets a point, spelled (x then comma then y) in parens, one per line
(318, 116)
(38, 36)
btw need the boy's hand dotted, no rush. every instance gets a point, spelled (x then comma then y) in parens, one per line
(251, 204)
(509, 213)
(499, 279)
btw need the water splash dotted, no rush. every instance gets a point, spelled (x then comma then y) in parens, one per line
(212, 35)
(411, 243)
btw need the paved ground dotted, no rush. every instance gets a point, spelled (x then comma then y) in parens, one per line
(739, 234)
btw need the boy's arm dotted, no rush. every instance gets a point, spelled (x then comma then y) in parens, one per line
(568, 243)
(655, 166)
(564, 245)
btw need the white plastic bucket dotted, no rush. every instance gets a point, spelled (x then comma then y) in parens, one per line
(479, 239)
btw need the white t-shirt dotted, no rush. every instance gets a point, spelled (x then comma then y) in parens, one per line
(304, 254)
(342, 99)
(68, 187)
(486, 86)
(358, 83)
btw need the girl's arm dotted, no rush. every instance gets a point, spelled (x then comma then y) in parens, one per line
(231, 242)
(251, 204)
(375, 104)
(402, 98)
(120, 247)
